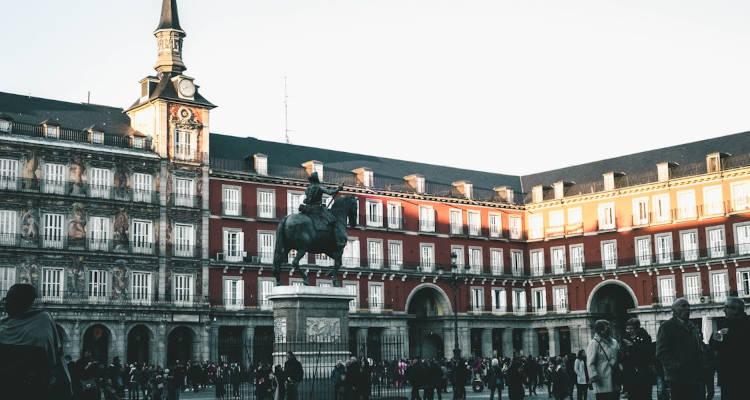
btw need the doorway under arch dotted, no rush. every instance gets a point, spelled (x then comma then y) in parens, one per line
(96, 341)
(611, 300)
(139, 344)
(180, 345)
(428, 304)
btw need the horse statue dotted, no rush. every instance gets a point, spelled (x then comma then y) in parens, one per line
(297, 232)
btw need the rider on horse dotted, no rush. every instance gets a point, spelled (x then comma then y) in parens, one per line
(314, 207)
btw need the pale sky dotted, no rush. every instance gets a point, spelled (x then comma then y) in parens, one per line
(503, 86)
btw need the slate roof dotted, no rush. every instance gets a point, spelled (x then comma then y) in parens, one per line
(169, 17)
(79, 116)
(166, 89)
(292, 156)
(640, 167)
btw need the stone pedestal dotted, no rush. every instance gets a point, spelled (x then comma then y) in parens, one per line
(312, 322)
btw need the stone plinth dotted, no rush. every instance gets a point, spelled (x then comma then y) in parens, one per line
(312, 322)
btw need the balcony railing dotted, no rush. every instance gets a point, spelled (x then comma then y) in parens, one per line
(66, 243)
(75, 135)
(375, 221)
(66, 188)
(264, 211)
(183, 250)
(120, 298)
(232, 209)
(396, 223)
(184, 200)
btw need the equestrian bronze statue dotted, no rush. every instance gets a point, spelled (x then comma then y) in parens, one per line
(316, 229)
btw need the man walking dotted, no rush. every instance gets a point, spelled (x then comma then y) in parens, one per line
(734, 350)
(294, 374)
(678, 348)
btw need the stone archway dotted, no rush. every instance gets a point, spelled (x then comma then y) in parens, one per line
(180, 345)
(96, 340)
(611, 300)
(139, 344)
(427, 304)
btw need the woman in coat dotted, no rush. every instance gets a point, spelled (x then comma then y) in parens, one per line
(582, 376)
(495, 379)
(602, 358)
(514, 380)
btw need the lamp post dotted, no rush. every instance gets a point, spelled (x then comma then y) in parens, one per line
(455, 275)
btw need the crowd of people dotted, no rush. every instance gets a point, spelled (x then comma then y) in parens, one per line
(680, 364)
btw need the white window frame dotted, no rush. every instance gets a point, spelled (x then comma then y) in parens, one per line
(266, 203)
(516, 262)
(266, 245)
(140, 287)
(352, 288)
(54, 235)
(536, 262)
(496, 261)
(183, 289)
(560, 298)
(395, 255)
(575, 265)
(740, 195)
(556, 218)
(322, 260)
(575, 216)
(716, 250)
(686, 206)
(375, 253)
(499, 300)
(100, 182)
(535, 300)
(293, 200)
(8, 174)
(713, 206)
(55, 177)
(495, 221)
(518, 301)
(265, 285)
(460, 256)
(643, 253)
(743, 282)
(375, 296)
(663, 247)
(7, 279)
(719, 294)
(233, 244)
(99, 229)
(536, 226)
(142, 236)
(351, 256)
(427, 264)
(231, 200)
(607, 219)
(97, 285)
(557, 260)
(374, 211)
(395, 215)
(609, 262)
(184, 240)
(695, 297)
(666, 299)
(184, 192)
(476, 299)
(8, 227)
(234, 297)
(515, 226)
(689, 252)
(97, 137)
(456, 221)
(53, 291)
(476, 257)
(184, 144)
(5, 125)
(142, 187)
(640, 211)
(474, 220)
(426, 219)
(741, 238)
(661, 207)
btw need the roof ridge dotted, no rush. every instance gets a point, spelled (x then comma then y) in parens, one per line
(60, 101)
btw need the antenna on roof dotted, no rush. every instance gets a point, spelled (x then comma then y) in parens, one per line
(88, 98)
(286, 114)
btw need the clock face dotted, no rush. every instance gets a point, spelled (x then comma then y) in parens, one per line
(187, 88)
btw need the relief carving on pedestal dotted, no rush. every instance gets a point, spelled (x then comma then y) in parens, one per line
(323, 329)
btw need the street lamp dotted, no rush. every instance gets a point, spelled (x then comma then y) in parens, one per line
(455, 274)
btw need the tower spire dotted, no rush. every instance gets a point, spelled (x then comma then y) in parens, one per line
(169, 37)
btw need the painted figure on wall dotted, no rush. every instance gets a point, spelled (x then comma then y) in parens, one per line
(75, 275)
(77, 172)
(119, 285)
(121, 180)
(77, 226)
(30, 223)
(31, 172)
(121, 227)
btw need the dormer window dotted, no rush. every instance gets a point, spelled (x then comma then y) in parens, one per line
(464, 188)
(537, 194)
(609, 181)
(96, 137)
(261, 164)
(5, 126)
(138, 143)
(468, 192)
(367, 178)
(509, 195)
(52, 131)
(559, 190)
(713, 162)
(314, 166)
(419, 184)
(662, 172)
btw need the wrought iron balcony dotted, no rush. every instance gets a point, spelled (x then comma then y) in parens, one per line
(80, 136)
(66, 188)
(48, 295)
